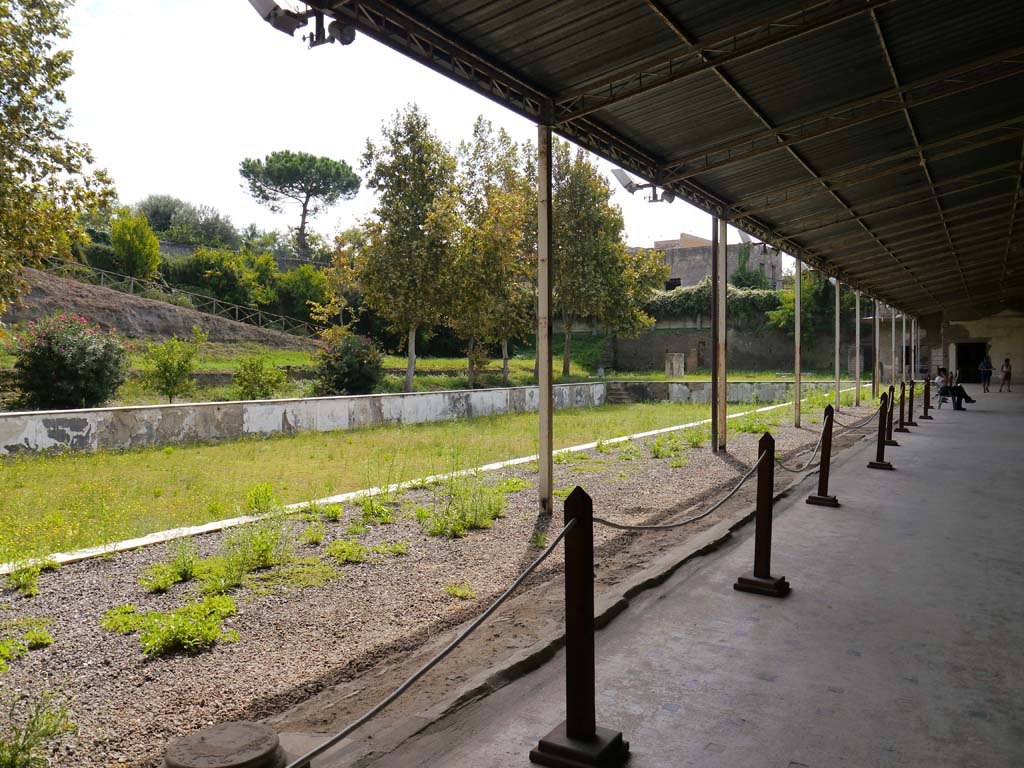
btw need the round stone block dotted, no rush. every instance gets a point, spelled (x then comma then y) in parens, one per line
(228, 745)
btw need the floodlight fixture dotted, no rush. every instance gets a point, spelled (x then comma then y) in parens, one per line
(342, 33)
(667, 195)
(626, 180)
(283, 19)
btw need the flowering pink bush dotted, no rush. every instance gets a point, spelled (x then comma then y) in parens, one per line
(64, 362)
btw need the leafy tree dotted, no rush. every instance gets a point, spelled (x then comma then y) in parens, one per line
(300, 288)
(817, 307)
(315, 183)
(497, 257)
(136, 249)
(170, 365)
(347, 364)
(45, 179)
(202, 225)
(256, 379)
(218, 273)
(159, 210)
(405, 262)
(594, 275)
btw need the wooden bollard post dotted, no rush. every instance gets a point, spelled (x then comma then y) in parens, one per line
(883, 415)
(903, 403)
(822, 498)
(579, 741)
(927, 399)
(760, 580)
(910, 408)
(888, 422)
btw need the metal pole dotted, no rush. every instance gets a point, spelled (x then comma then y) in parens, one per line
(876, 376)
(796, 343)
(856, 352)
(719, 269)
(545, 393)
(714, 334)
(903, 348)
(836, 345)
(892, 347)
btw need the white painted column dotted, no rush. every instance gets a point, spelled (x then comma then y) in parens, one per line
(796, 342)
(892, 348)
(721, 345)
(836, 347)
(856, 351)
(545, 394)
(876, 352)
(903, 347)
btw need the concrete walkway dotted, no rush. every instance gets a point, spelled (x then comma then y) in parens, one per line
(902, 643)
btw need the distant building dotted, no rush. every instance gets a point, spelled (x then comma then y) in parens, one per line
(689, 260)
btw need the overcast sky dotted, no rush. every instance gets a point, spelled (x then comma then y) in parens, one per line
(172, 94)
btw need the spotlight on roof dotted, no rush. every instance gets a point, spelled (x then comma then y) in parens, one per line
(279, 18)
(625, 180)
(668, 195)
(343, 33)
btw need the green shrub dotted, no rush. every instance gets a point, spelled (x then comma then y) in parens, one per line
(396, 548)
(64, 362)
(184, 557)
(101, 256)
(169, 365)
(350, 365)
(37, 638)
(124, 619)
(10, 649)
(256, 380)
(376, 511)
(262, 544)
(158, 578)
(466, 503)
(136, 248)
(189, 629)
(512, 484)
(350, 551)
(26, 731)
(259, 500)
(666, 446)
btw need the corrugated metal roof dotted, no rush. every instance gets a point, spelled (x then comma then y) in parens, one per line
(880, 140)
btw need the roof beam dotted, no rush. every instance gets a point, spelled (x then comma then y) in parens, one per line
(584, 99)
(842, 116)
(852, 175)
(1018, 194)
(916, 140)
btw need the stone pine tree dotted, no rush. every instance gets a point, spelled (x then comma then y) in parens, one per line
(596, 277)
(46, 182)
(493, 292)
(314, 183)
(406, 259)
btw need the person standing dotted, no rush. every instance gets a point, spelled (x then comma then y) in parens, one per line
(1005, 370)
(986, 372)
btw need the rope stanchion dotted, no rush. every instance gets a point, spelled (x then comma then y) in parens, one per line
(903, 402)
(822, 497)
(884, 414)
(910, 408)
(844, 428)
(888, 425)
(580, 741)
(927, 400)
(760, 581)
(807, 464)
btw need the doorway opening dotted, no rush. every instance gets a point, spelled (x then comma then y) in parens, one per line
(968, 357)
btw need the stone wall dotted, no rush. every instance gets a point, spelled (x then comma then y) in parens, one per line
(137, 427)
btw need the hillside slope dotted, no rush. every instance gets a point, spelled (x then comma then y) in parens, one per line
(134, 316)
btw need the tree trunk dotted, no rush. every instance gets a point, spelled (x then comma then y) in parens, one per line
(470, 378)
(300, 236)
(410, 369)
(504, 362)
(567, 352)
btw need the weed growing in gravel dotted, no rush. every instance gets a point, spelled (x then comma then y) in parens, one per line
(348, 551)
(37, 638)
(568, 457)
(395, 548)
(10, 650)
(460, 591)
(298, 574)
(357, 527)
(561, 493)
(184, 557)
(27, 729)
(314, 534)
(603, 447)
(539, 540)
(158, 578)
(756, 423)
(191, 628)
(465, 503)
(24, 579)
(667, 445)
(331, 513)
(262, 544)
(678, 462)
(512, 484)
(695, 437)
(376, 510)
(630, 451)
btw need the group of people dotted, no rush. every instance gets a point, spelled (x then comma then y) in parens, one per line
(986, 374)
(955, 391)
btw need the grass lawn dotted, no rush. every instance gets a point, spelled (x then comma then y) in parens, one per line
(51, 503)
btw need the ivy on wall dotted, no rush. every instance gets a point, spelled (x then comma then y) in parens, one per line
(746, 308)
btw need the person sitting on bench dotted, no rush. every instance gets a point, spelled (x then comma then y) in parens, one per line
(955, 391)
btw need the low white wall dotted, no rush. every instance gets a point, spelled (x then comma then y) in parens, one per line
(121, 428)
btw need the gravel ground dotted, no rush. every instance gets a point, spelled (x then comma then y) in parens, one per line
(295, 642)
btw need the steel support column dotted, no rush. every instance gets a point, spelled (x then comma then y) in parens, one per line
(545, 392)
(796, 343)
(892, 347)
(903, 347)
(876, 373)
(835, 346)
(856, 351)
(719, 382)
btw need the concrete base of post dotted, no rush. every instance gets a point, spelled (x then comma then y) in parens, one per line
(227, 745)
(773, 586)
(879, 465)
(605, 750)
(823, 501)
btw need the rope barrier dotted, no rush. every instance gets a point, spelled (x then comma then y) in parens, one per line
(306, 759)
(860, 424)
(687, 521)
(814, 452)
